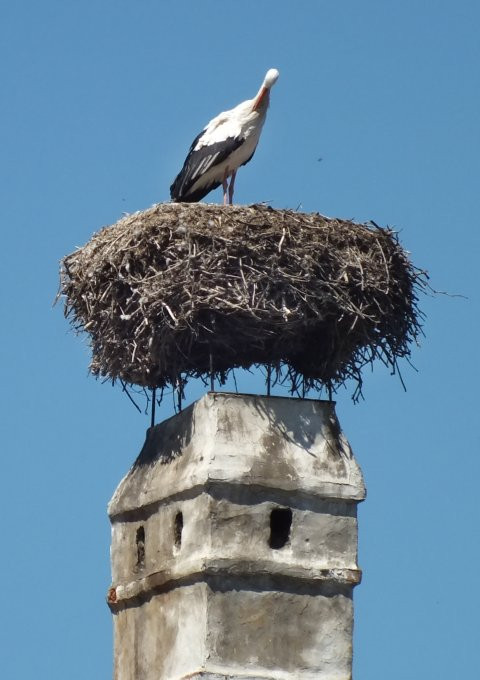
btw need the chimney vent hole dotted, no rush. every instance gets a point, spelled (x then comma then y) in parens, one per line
(177, 529)
(140, 541)
(280, 525)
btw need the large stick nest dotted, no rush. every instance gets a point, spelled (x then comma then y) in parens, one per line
(188, 290)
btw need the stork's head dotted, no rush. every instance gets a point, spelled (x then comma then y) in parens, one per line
(260, 103)
(271, 78)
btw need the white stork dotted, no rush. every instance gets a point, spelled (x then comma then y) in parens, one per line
(227, 142)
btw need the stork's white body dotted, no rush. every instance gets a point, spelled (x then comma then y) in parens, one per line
(227, 142)
(241, 122)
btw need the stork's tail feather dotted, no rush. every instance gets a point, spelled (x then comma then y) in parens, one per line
(190, 197)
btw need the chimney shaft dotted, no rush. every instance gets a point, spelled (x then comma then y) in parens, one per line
(234, 544)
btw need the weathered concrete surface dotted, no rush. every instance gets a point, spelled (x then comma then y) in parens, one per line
(198, 590)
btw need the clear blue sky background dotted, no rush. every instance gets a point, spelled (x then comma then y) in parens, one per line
(100, 101)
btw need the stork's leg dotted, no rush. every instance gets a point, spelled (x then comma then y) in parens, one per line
(225, 186)
(230, 188)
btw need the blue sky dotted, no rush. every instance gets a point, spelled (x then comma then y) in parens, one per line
(100, 101)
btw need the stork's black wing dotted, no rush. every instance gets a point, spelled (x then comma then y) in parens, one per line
(197, 163)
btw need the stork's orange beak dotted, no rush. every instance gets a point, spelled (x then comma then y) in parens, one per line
(261, 96)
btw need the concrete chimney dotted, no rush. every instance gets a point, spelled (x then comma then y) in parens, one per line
(234, 545)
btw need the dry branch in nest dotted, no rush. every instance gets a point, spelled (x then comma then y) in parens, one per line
(185, 290)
